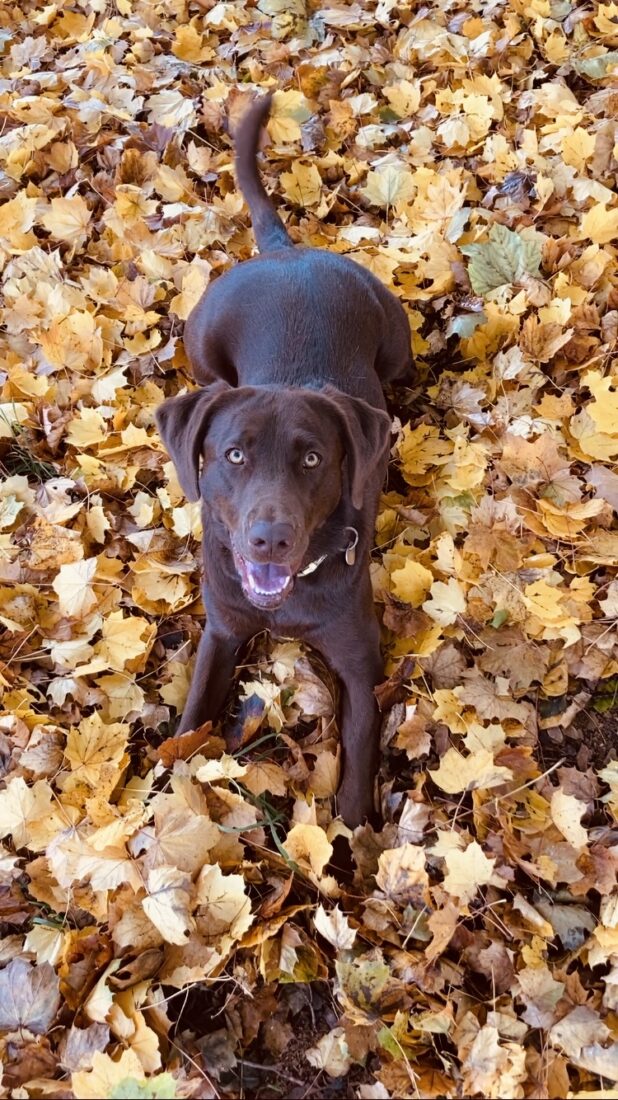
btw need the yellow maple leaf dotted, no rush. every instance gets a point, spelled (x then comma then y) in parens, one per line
(223, 906)
(67, 220)
(172, 109)
(73, 586)
(440, 197)
(302, 185)
(168, 903)
(125, 640)
(401, 871)
(27, 813)
(12, 414)
(115, 832)
(599, 224)
(544, 603)
(331, 1053)
(187, 520)
(289, 110)
(94, 743)
(412, 582)
(188, 44)
(566, 814)
(183, 838)
(335, 927)
(448, 709)
(458, 773)
(194, 283)
(17, 217)
(72, 858)
(309, 846)
(265, 775)
(604, 409)
(45, 943)
(270, 694)
(143, 1041)
(467, 871)
(142, 509)
(106, 1074)
(446, 602)
(578, 148)
(419, 449)
(86, 429)
(592, 442)
(404, 97)
(389, 184)
(174, 692)
(493, 1067)
(226, 767)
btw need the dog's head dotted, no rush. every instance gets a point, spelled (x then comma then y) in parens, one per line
(272, 465)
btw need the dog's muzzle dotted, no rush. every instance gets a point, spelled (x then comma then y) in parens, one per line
(266, 585)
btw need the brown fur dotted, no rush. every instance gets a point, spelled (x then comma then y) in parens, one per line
(292, 347)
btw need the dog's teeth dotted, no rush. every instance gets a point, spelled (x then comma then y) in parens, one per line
(268, 591)
(277, 586)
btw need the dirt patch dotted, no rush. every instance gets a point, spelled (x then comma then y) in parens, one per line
(285, 1022)
(591, 741)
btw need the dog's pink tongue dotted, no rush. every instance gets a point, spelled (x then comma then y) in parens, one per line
(267, 580)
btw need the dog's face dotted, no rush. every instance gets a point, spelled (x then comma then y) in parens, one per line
(272, 474)
(274, 464)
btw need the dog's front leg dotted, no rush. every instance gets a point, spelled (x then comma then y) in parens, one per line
(215, 662)
(352, 649)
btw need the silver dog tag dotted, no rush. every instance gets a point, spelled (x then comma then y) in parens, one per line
(350, 553)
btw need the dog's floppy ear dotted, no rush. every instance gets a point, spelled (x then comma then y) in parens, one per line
(366, 436)
(183, 424)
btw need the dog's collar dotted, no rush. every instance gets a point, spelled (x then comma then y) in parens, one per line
(350, 555)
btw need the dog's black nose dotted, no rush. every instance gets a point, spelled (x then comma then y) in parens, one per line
(271, 539)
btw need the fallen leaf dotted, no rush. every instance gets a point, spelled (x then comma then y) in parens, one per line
(224, 905)
(505, 258)
(387, 185)
(412, 582)
(462, 773)
(446, 602)
(94, 746)
(67, 219)
(600, 224)
(334, 927)
(82, 1043)
(107, 1076)
(331, 1054)
(184, 746)
(168, 903)
(309, 846)
(467, 872)
(401, 872)
(566, 814)
(29, 997)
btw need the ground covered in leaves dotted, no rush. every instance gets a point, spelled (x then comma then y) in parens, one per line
(171, 922)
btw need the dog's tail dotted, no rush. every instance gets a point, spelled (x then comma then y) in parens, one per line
(270, 232)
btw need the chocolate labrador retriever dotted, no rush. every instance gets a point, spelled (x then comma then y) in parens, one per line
(287, 446)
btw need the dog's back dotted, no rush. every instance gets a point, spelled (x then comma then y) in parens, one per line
(292, 315)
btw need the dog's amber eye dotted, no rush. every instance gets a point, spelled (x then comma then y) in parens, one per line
(235, 456)
(311, 460)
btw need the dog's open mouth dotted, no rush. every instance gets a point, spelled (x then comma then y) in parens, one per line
(265, 585)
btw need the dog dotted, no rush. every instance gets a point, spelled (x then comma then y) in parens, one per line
(287, 445)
